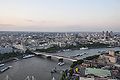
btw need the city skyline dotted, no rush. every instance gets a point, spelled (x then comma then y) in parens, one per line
(60, 15)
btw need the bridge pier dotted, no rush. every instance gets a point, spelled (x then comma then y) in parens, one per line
(60, 59)
(48, 57)
(39, 55)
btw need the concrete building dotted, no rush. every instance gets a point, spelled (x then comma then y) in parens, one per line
(112, 52)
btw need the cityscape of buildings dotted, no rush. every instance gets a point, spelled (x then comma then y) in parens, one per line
(21, 41)
(105, 66)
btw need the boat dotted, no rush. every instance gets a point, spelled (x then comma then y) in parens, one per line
(83, 48)
(30, 78)
(65, 50)
(4, 69)
(33, 78)
(28, 56)
(27, 78)
(54, 70)
(77, 55)
(82, 54)
(1, 65)
(7, 78)
(61, 63)
(99, 51)
(10, 66)
(53, 78)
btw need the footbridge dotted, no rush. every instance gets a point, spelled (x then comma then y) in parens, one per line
(55, 56)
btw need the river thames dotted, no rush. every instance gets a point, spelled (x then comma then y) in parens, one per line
(40, 67)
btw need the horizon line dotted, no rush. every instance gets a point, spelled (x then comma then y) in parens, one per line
(57, 31)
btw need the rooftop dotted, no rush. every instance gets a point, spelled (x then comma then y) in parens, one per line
(97, 72)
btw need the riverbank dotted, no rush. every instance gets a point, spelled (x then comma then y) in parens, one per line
(56, 48)
(6, 57)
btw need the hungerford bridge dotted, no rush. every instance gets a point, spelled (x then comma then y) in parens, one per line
(55, 56)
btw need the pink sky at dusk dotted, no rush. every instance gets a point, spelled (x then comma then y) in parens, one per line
(59, 15)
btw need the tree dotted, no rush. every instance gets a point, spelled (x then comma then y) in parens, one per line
(28, 51)
(71, 71)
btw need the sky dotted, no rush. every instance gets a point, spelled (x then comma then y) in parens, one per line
(60, 15)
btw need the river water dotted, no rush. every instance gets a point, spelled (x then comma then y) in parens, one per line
(88, 52)
(40, 67)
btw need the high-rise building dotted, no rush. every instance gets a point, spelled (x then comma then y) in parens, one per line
(111, 34)
(107, 33)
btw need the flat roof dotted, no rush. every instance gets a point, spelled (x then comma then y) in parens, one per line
(97, 72)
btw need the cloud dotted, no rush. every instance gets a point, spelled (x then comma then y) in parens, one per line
(7, 25)
(29, 20)
(35, 21)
